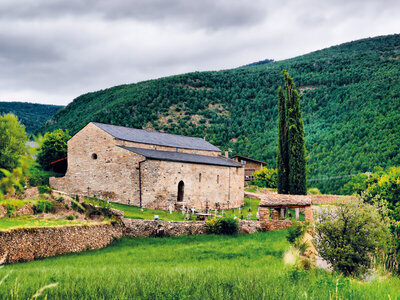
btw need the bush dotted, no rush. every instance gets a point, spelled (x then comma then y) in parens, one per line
(313, 191)
(266, 178)
(38, 176)
(349, 235)
(44, 189)
(228, 226)
(296, 232)
(43, 207)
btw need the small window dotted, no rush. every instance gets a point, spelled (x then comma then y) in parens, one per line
(199, 177)
(217, 178)
(94, 156)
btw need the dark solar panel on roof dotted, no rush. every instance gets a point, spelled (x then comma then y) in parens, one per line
(156, 138)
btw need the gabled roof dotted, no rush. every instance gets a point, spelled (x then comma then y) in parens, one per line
(248, 158)
(156, 138)
(183, 157)
(282, 200)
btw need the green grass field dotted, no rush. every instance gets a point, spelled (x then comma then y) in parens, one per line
(189, 267)
(134, 212)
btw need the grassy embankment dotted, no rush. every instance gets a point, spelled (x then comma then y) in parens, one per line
(38, 220)
(189, 267)
(134, 212)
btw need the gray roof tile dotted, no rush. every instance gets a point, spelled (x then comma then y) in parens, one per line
(183, 157)
(156, 138)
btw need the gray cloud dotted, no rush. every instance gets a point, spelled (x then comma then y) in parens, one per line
(211, 14)
(51, 51)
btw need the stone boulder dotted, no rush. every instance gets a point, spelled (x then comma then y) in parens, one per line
(3, 211)
(27, 209)
(31, 193)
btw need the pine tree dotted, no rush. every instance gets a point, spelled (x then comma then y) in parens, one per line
(283, 151)
(291, 160)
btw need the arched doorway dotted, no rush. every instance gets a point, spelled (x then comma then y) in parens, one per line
(181, 186)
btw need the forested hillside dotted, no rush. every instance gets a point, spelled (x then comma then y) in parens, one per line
(350, 102)
(30, 114)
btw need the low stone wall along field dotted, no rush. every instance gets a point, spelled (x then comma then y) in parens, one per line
(27, 244)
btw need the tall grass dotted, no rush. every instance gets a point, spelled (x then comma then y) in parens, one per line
(189, 267)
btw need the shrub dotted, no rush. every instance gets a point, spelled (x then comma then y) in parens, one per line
(44, 189)
(43, 206)
(228, 226)
(313, 191)
(38, 176)
(349, 235)
(266, 178)
(296, 232)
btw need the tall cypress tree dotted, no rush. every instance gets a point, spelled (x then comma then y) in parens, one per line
(283, 151)
(291, 158)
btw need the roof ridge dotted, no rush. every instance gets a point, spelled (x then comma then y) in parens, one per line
(151, 131)
(156, 137)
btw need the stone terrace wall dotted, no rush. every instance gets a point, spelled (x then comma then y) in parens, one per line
(18, 245)
(275, 225)
(27, 244)
(148, 228)
(330, 199)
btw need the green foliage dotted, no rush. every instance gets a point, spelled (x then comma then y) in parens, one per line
(349, 106)
(226, 225)
(313, 191)
(349, 235)
(31, 115)
(38, 176)
(12, 141)
(283, 150)
(44, 189)
(14, 181)
(296, 232)
(54, 146)
(247, 266)
(266, 178)
(295, 139)
(43, 206)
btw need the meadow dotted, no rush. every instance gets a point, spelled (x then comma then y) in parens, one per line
(188, 267)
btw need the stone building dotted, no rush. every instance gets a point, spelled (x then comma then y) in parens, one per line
(250, 165)
(149, 169)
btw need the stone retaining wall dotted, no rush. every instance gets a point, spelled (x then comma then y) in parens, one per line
(27, 244)
(17, 245)
(331, 199)
(275, 225)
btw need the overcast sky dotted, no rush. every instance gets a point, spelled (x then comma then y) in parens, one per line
(52, 51)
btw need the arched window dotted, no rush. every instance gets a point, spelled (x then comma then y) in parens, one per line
(217, 178)
(199, 177)
(181, 187)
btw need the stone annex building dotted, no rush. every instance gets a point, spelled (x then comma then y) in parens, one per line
(149, 169)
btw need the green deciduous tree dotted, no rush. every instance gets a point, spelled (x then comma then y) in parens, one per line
(13, 140)
(54, 146)
(348, 236)
(291, 162)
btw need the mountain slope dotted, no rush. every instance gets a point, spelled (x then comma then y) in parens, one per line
(350, 102)
(30, 114)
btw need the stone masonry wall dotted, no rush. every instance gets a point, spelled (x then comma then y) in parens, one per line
(113, 174)
(27, 244)
(202, 184)
(17, 245)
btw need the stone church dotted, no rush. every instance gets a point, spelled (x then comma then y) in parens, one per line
(149, 169)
